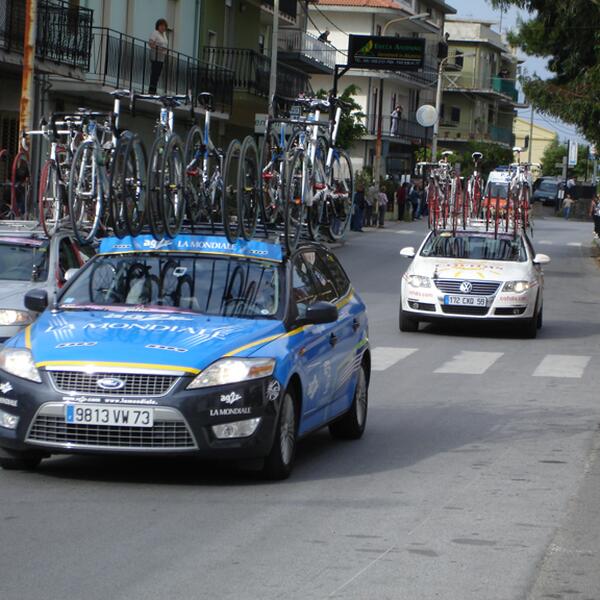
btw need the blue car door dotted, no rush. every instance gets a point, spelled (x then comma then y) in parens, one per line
(317, 349)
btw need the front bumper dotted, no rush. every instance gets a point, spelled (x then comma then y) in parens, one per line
(183, 419)
(428, 304)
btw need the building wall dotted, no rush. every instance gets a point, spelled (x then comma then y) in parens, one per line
(541, 139)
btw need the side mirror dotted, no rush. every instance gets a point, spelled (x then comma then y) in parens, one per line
(321, 312)
(70, 274)
(541, 259)
(408, 252)
(36, 300)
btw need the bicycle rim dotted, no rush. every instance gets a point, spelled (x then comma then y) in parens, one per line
(155, 167)
(117, 190)
(195, 193)
(271, 179)
(172, 187)
(339, 203)
(229, 203)
(295, 193)
(49, 201)
(248, 187)
(134, 185)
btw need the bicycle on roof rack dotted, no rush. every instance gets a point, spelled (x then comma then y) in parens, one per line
(474, 188)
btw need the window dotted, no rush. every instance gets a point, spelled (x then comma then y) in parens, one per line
(378, 30)
(304, 289)
(67, 258)
(338, 276)
(459, 59)
(455, 114)
(475, 247)
(326, 289)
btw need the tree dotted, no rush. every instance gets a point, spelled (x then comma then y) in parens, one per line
(554, 154)
(351, 128)
(565, 32)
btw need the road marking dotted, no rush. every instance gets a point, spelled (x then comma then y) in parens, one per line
(575, 244)
(383, 357)
(470, 363)
(544, 243)
(562, 365)
(405, 231)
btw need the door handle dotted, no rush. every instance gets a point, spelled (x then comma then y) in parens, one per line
(355, 324)
(333, 339)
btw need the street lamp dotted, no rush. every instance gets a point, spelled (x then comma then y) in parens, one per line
(378, 143)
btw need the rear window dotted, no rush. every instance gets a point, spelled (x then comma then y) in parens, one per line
(497, 190)
(475, 247)
(548, 186)
(23, 262)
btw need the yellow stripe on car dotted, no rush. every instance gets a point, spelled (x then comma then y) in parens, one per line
(265, 340)
(83, 363)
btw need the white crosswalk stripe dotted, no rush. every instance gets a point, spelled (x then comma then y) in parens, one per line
(470, 363)
(544, 243)
(575, 244)
(562, 365)
(383, 358)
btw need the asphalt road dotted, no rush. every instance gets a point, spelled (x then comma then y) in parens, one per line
(477, 478)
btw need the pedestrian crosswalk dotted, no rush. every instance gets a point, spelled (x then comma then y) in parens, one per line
(468, 362)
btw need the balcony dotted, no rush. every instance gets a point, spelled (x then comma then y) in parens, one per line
(122, 61)
(305, 51)
(251, 72)
(493, 85)
(453, 133)
(64, 31)
(289, 7)
(506, 87)
(406, 128)
(502, 135)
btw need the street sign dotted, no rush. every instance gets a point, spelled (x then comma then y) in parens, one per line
(426, 115)
(260, 123)
(572, 153)
(386, 52)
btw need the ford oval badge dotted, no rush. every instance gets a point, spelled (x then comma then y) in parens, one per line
(110, 383)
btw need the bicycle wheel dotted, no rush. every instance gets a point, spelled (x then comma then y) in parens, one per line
(339, 204)
(195, 193)
(153, 198)
(294, 200)
(116, 186)
(172, 186)
(248, 187)
(271, 162)
(20, 185)
(85, 191)
(229, 203)
(50, 198)
(317, 185)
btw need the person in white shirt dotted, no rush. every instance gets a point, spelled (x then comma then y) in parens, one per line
(159, 44)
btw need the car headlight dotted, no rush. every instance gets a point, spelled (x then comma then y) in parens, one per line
(233, 370)
(419, 281)
(19, 362)
(518, 287)
(14, 317)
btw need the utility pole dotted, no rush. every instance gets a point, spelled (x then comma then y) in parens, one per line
(274, 42)
(26, 104)
(438, 107)
(530, 136)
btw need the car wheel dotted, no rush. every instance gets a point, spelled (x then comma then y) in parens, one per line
(352, 425)
(407, 323)
(279, 462)
(530, 328)
(540, 317)
(12, 460)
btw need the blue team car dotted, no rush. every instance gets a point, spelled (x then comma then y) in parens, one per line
(188, 346)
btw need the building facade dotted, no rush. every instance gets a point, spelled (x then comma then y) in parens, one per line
(409, 90)
(479, 92)
(538, 138)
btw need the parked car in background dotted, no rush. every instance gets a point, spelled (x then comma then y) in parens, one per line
(28, 259)
(546, 190)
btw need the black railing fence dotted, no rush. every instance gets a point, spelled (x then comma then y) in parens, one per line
(122, 61)
(251, 72)
(64, 31)
(396, 128)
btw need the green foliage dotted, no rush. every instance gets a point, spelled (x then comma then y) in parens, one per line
(351, 128)
(554, 154)
(567, 32)
(364, 178)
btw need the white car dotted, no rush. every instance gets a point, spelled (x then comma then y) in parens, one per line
(473, 274)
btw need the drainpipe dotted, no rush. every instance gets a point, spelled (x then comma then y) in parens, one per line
(274, 42)
(197, 28)
(27, 85)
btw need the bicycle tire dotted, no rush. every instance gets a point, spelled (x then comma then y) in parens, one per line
(270, 191)
(50, 202)
(314, 212)
(172, 186)
(155, 166)
(195, 193)
(85, 214)
(136, 197)
(116, 187)
(229, 203)
(248, 188)
(294, 200)
(338, 207)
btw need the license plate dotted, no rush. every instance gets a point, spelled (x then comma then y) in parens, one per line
(466, 300)
(116, 416)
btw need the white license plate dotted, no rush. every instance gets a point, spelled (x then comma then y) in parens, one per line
(466, 300)
(117, 416)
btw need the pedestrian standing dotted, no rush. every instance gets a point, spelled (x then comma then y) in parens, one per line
(159, 44)
(359, 208)
(370, 205)
(401, 195)
(595, 213)
(382, 202)
(395, 120)
(567, 205)
(414, 198)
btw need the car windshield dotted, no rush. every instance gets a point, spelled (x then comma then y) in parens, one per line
(206, 285)
(548, 186)
(497, 190)
(22, 261)
(474, 246)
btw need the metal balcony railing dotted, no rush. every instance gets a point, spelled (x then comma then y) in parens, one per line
(501, 134)
(470, 81)
(449, 131)
(122, 61)
(395, 128)
(307, 45)
(251, 72)
(64, 31)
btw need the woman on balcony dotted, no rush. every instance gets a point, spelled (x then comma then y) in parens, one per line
(158, 43)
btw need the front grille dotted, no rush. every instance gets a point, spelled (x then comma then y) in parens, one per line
(50, 428)
(480, 288)
(465, 310)
(136, 384)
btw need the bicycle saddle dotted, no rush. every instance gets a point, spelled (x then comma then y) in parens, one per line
(120, 93)
(205, 99)
(447, 153)
(477, 156)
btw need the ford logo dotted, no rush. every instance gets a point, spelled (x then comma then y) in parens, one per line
(110, 383)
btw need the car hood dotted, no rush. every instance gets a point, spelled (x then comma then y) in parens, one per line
(476, 270)
(12, 293)
(183, 341)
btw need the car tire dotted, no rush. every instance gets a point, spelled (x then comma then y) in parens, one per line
(530, 328)
(13, 460)
(406, 323)
(351, 425)
(540, 317)
(279, 462)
